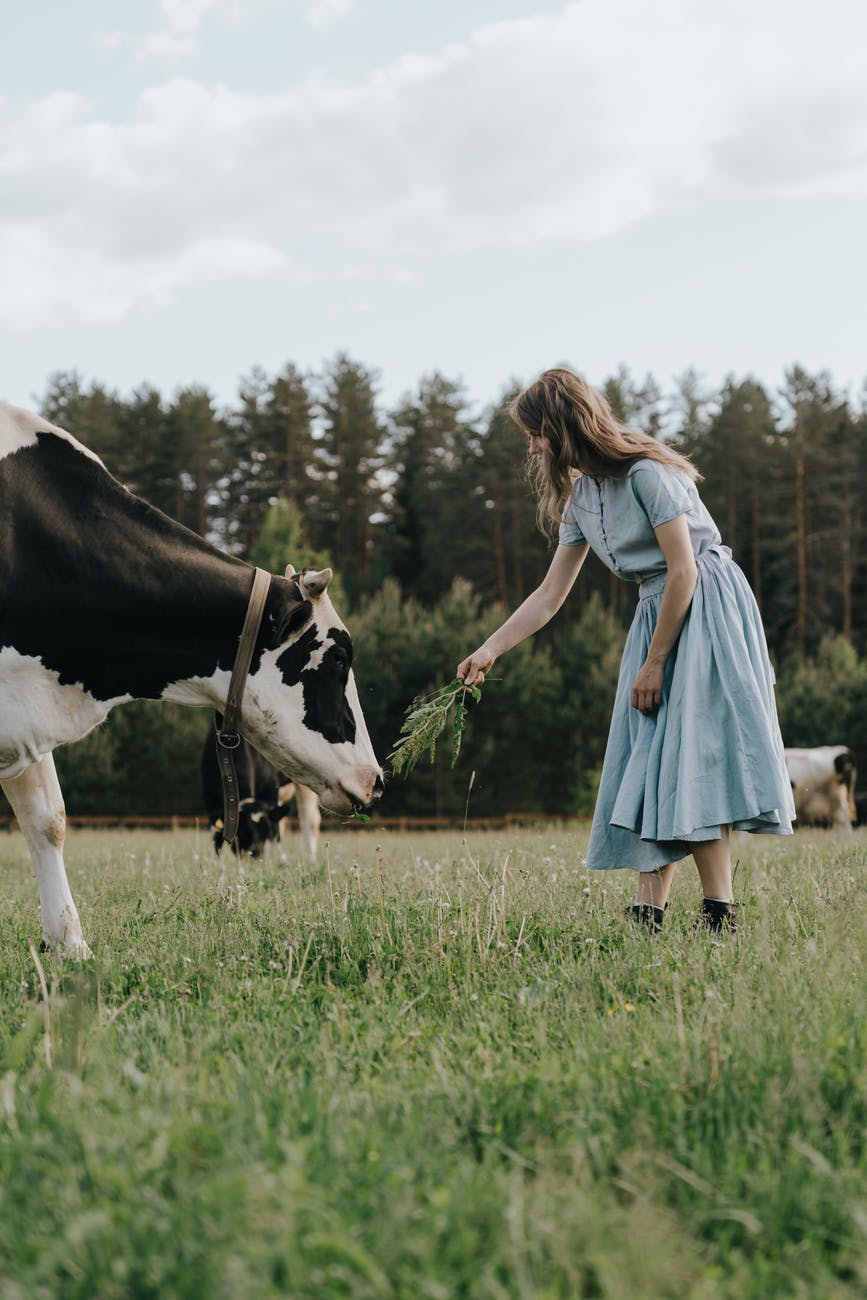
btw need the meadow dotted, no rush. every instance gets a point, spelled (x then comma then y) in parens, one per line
(433, 1066)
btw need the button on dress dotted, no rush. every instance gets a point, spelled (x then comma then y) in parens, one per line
(712, 754)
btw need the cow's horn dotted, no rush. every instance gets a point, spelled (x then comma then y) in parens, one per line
(290, 571)
(314, 581)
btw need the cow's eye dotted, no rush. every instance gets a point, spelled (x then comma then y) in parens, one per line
(339, 653)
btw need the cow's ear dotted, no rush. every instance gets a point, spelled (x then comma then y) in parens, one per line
(288, 611)
(314, 581)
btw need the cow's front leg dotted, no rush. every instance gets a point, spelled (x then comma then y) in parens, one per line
(309, 820)
(37, 802)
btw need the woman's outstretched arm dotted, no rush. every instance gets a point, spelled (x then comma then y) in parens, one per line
(539, 607)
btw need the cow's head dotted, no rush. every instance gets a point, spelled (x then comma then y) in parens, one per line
(844, 765)
(257, 824)
(301, 707)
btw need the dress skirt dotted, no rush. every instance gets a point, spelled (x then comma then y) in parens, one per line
(712, 754)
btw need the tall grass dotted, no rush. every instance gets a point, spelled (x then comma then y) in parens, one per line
(433, 1068)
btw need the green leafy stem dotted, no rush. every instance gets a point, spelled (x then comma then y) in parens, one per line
(426, 720)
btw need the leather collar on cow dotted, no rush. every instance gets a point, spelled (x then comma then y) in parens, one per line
(228, 735)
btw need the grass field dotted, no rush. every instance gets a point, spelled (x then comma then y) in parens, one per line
(433, 1069)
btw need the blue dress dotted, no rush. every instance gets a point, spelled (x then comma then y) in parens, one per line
(712, 754)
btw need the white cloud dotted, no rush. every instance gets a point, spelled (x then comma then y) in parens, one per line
(178, 34)
(44, 285)
(565, 126)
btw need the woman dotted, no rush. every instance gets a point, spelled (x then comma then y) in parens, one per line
(694, 747)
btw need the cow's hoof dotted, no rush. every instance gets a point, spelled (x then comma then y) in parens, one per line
(76, 950)
(72, 949)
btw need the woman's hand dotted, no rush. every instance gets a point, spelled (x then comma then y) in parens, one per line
(472, 670)
(647, 687)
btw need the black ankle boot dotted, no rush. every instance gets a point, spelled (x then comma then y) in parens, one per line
(646, 914)
(719, 917)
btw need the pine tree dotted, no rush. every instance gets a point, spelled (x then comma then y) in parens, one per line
(517, 553)
(424, 510)
(638, 406)
(283, 540)
(90, 415)
(349, 495)
(691, 412)
(269, 451)
(809, 438)
(734, 453)
(244, 499)
(859, 523)
(195, 438)
(148, 461)
(289, 437)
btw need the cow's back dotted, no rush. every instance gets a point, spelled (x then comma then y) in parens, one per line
(98, 586)
(819, 763)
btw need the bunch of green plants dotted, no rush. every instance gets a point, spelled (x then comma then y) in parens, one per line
(426, 720)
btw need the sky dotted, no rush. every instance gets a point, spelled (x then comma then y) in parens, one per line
(191, 188)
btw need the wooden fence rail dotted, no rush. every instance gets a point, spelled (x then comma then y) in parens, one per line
(166, 823)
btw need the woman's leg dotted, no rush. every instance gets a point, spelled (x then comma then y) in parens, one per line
(651, 896)
(653, 886)
(714, 861)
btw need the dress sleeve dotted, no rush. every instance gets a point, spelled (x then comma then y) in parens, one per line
(570, 533)
(661, 492)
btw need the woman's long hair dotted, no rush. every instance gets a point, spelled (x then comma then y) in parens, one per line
(581, 436)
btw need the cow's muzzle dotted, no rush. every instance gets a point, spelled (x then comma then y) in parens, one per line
(363, 790)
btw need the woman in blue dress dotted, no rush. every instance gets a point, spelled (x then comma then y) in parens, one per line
(694, 749)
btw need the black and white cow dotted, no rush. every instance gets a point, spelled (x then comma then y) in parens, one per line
(860, 818)
(823, 785)
(265, 795)
(104, 599)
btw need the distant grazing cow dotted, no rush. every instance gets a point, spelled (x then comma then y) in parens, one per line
(265, 796)
(823, 784)
(104, 599)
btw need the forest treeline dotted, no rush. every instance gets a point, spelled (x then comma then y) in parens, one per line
(423, 510)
